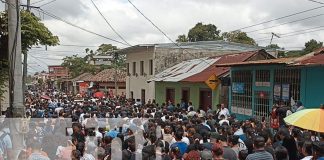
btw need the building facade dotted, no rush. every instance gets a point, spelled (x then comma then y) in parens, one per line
(258, 85)
(189, 80)
(143, 62)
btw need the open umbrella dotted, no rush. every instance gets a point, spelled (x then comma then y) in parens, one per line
(45, 97)
(99, 94)
(310, 119)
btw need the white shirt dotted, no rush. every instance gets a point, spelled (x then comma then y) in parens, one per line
(307, 158)
(222, 121)
(184, 139)
(224, 112)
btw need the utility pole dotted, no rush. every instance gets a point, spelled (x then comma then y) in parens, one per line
(25, 58)
(273, 34)
(115, 77)
(15, 75)
(14, 45)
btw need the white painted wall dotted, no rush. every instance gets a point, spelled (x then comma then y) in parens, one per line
(136, 83)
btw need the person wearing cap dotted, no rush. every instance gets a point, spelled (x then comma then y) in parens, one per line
(259, 152)
(318, 150)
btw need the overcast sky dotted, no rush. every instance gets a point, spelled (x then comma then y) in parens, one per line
(174, 17)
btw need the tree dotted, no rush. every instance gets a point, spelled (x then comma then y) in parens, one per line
(312, 45)
(77, 65)
(272, 46)
(33, 32)
(238, 37)
(203, 32)
(110, 50)
(182, 38)
(105, 49)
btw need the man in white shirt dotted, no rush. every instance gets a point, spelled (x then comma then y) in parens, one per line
(224, 111)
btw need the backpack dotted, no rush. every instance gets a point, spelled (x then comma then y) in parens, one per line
(3, 146)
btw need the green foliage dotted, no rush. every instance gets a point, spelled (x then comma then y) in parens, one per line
(272, 46)
(182, 38)
(312, 45)
(203, 32)
(33, 32)
(104, 49)
(77, 65)
(238, 37)
(292, 54)
(209, 32)
(4, 76)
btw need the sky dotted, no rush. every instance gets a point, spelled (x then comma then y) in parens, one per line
(173, 17)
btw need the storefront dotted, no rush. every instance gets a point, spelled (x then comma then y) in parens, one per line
(258, 85)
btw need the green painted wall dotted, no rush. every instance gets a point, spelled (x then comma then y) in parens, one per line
(313, 91)
(160, 92)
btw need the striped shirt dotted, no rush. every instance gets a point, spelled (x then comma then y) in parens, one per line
(260, 155)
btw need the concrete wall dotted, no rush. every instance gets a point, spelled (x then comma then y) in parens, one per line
(136, 83)
(313, 90)
(161, 87)
(168, 57)
(163, 58)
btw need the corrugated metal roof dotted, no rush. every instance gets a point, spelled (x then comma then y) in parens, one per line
(207, 45)
(211, 45)
(205, 74)
(260, 62)
(184, 70)
(313, 58)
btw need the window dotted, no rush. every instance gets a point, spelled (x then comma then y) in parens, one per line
(142, 68)
(262, 76)
(127, 68)
(134, 68)
(151, 67)
(121, 87)
(242, 92)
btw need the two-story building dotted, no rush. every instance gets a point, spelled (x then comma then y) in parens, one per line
(101, 60)
(55, 73)
(144, 61)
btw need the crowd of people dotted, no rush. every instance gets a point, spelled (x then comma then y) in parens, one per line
(153, 131)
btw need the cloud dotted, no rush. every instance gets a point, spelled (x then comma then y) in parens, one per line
(175, 18)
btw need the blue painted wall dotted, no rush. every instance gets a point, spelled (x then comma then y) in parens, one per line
(311, 85)
(313, 91)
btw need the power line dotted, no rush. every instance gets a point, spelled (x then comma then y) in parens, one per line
(39, 60)
(290, 15)
(316, 1)
(303, 30)
(289, 35)
(74, 45)
(164, 32)
(111, 27)
(49, 58)
(298, 20)
(37, 2)
(81, 28)
(47, 3)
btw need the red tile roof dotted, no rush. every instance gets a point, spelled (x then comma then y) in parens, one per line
(219, 71)
(108, 75)
(82, 77)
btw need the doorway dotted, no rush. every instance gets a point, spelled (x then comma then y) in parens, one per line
(170, 95)
(143, 96)
(185, 95)
(205, 98)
